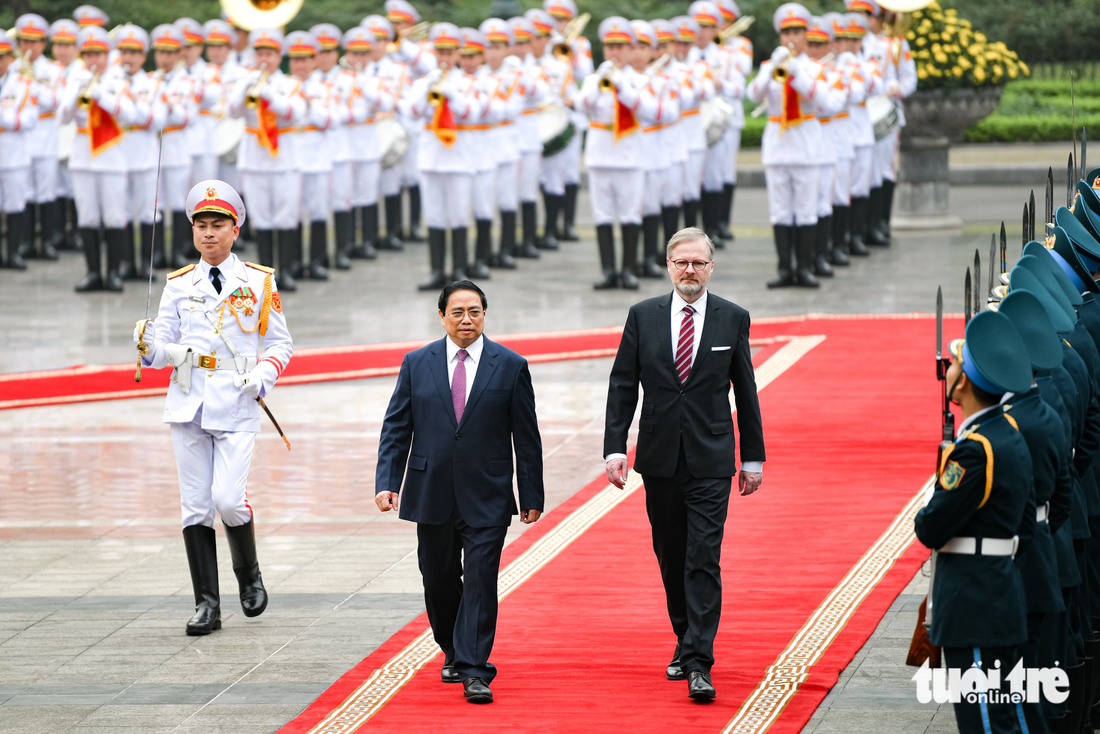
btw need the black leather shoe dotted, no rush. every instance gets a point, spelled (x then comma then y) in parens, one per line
(476, 690)
(674, 671)
(699, 686)
(448, 675)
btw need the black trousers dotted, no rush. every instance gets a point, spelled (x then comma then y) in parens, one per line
(460, 565)
(1002, 718)
(688, 517)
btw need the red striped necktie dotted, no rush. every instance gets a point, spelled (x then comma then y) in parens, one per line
(683, 347)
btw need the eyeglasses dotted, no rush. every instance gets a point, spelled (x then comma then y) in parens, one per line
(699, 265)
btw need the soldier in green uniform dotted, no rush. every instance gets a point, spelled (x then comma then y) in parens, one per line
(979, 515)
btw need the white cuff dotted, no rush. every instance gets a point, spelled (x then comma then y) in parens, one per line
(753, 467)
(609, 457)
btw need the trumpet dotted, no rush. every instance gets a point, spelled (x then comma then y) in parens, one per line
(415, 33)
(26, 68)
(606, 85)
(84, 99)
(573, 29)
(252, 96)
(435, 92)
(736, 28)
(657, 64)
(781, 71)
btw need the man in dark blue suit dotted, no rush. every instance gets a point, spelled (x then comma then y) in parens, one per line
(460, 406)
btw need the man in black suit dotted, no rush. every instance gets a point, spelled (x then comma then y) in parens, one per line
(685, 349)
(459, 407)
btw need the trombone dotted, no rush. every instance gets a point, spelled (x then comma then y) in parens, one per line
(415, 33)
(252, 96)
(573, 29)
(657, 64)
(606, 85)
(736, 28)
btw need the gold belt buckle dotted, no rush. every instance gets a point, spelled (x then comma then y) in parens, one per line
(207, 362)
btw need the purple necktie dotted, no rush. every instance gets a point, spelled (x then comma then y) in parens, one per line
(458, 385)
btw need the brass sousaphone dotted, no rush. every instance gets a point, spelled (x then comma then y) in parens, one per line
(252, 14)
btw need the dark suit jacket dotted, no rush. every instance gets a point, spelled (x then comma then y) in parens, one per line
(698, 410)
(469, 464)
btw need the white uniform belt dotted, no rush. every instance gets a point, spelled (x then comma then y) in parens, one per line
(223, 363)
(1042, 512)
(981, 546)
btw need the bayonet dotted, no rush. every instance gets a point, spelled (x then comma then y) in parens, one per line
(977, 281)
(1070, 178)
(940, 375)
(1004, 250)
(1025, 226)
(1073, 127)
(968, 301)
(1048, 211)
(992, 263)
(1031, 216)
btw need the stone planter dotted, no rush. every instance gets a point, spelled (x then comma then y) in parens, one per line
(933, 121)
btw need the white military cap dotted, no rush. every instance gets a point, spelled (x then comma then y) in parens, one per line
(836, 22)
(560, 9)
(217, 196)
(5, 44)
(64, 31)
(89, 15)
(865, 6)
(473, 41)
(542, 21)
(645, 33)
(167, 37)
(31, 27)
(664, 30)
(820, 30)
(729, 9)
(858, 25)
(266, 38)
(706, 13)
(379, 26)
(523, 30)
(93, 38)
(496, 31)
(131, 38)
(327, 35)
(219, 33)
(686, 28)
(399, 10)
(616, 29)
(300, 44)
(791, 15)
(192, 31)
(445, 36)
(359, 39)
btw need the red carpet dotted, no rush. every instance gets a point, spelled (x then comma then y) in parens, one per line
(810, 566)
(84, 383)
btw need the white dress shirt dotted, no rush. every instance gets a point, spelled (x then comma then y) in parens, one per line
(473, 356)
(224, 268)
(698, 318)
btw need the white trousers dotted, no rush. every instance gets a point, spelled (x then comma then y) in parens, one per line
(175, 184)
(571, 158)
(554, 173)
(340, 186)
(861, 171)
(204, 166)
(792, 195)
(64, 183)
(230, 174)
(825, 190)
(43, 181)
(655, 184)
(142, 196)
(100, 199)
(484, 194)
(364, 182)
(315, 196)
(507, 186)
(674, 185)
(886, 158)
(272, 198)
(390, 180)
(13, 190)
(715, 163)
(616, 193)
(213, 472)
(410, 171)
(733, 136)
(693, 174)
(842, 186)
(445, 199)
(529, 176)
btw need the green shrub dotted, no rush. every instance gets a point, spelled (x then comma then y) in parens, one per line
(999, 128)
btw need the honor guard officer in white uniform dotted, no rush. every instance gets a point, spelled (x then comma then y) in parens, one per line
(31, 31)
(140, 150)
(741, 50)
(221, 327)
(507, 106)
(176, 94)
(418, 61)
(791, 84)
(272, 108)
(564, 11)
(18, 116)
(695, 76)
(395, 78)
(220, 40)
(445, 100)
(96, 99)
(619, 105)
(561, 90)
(312, 148)
(340, 83)
(533, 91)
(63, 47)
(479, 136)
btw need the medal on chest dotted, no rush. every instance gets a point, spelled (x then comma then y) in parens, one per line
(243, 299)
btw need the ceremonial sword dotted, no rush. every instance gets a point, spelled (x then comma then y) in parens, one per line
(142, 347)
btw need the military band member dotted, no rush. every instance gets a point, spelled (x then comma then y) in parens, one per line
(222, 74)
(341, 84)
(532, 91)
(983, 491)
(479, 136)
(271, 106)
(843, 129)
(818, 38)
(507, 106)
(741, 50)
(18, 116)
(695, 76)
(221, 327)
(791, 84)
(395, 78)
(564, 11)
(31, 31)
(96, 99)
(87, 16)
(444, 100)
(619, 105)
(863, 133)
(672, 136)
(207, 96)
(63, 47)
(561, 89)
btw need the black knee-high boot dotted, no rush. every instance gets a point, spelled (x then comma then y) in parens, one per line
(527, 246)
(116, 242)
(823, 232)
(182, 241)
(17, 222)
(368, 249)
(298, 262)
(414, 215)
(345, 239)
(437, 255)
(506, 258)
(857, 226)
(805, 237)
(549, 239)
(460, 253)
(265, 247)
(628, 275)
(691, 212)
(837, 256)
(651, 226)
(89, 239)
(887, 207)
(569, 214)
(246, 567)
(127, 270)
(483, 250)
(202, 559)
(146, 250)
(605, 241)
(872, 233)
(370, 220)
(52, 228)
(318, 250)
(285, 276)
(393, 239)
(670, 221)
(784, 244)
(70, 229)
(724, 229)
(25, 244)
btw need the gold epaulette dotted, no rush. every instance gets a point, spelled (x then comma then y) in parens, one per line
(261, 268)
(181, 271)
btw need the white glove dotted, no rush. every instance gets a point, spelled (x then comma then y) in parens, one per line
(780, 53)
(617, 78)
(448, 88)
(606, 67)
(176, 353)
(434, 75)
(251, 383)
(892, 89)
(150, 331)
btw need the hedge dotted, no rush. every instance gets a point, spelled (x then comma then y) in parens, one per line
(998, 128)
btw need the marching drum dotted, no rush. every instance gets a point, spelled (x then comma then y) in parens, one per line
(883, 112)
(717, 115)
(228, 132)
(555, 129)
(66, 134)
(393, 139)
